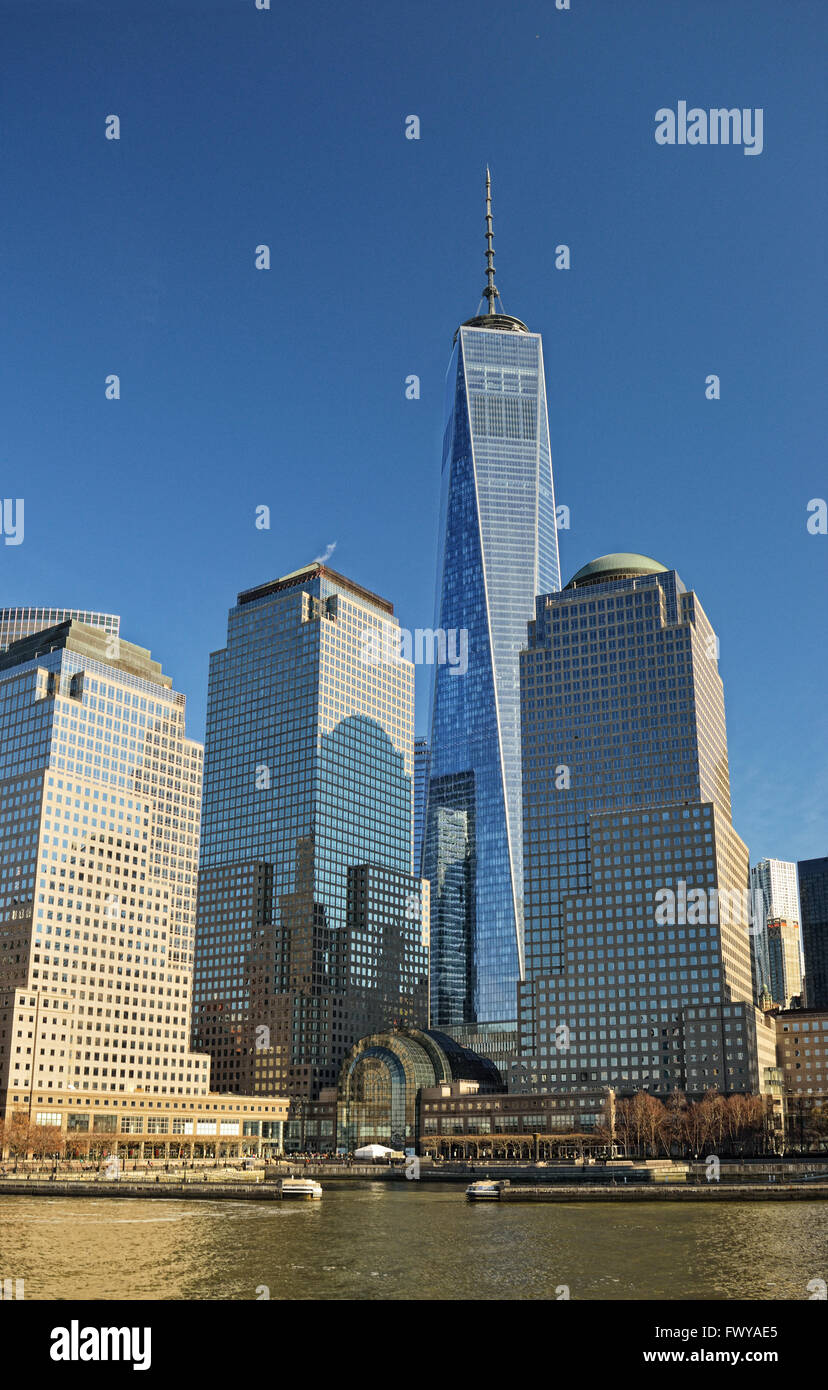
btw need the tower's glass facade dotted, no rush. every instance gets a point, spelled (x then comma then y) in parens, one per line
(422, 760)
(498, 549)
(638, 972)
(16, 623)
(311, 928)
(813, 894)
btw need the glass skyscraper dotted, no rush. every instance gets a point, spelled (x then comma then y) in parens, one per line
(498, 549)
(774, 881)
(813, 896)
(422, 760)
(785, 959)
(638, 970)
(312, 929)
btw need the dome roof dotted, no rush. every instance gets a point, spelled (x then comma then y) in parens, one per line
(624, 565)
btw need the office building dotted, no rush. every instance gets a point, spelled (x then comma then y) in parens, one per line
(813, 895)
(498, 549)
(421, 766)
(312, 929)
(802, 1050)
(784, 960)
(638, 972)
(100, 790)
(16, 623)
(774, 885)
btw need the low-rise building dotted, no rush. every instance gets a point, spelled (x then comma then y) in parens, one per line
(802, 1051)
(457, 1120)
(138, 1126)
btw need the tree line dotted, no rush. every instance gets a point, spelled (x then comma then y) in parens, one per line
(725, 1125)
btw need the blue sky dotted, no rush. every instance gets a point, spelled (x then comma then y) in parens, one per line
(242, 387)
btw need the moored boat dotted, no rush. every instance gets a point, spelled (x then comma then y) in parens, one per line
(483, 1191)
(304, 1188)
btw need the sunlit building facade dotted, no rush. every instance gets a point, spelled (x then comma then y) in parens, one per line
(100, 792)
(638, 971)
(498, 549)
(312, 928)
(774, 885)
(23, 622)
(785, 962)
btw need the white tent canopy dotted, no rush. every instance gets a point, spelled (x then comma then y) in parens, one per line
(373, 1151)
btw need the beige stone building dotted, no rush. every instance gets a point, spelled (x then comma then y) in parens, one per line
(100, 791)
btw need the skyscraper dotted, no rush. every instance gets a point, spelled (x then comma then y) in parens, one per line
(100, 792)
(776, 881)
(102, 857)
(637, 911)
(312, 929)
(16, 623)
(785, 961)
(498, 549)
(775, 956)
(422, 760)
(813, 895)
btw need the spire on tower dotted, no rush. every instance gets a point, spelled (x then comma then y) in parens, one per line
(494, 317)
(490, 293)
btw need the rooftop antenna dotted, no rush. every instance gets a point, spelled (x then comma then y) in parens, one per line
(490, 293)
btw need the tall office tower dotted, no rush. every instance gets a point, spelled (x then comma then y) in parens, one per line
(498, 549)
(638, 969)
(813, 896)
(422, 760)
(760, 967)
(785, 964)
(16, 623)
(100, 791)
(776, 881)
(776, 960)
(311, 928)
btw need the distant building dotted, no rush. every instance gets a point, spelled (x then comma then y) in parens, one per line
(813, 894)
(776, 880)
(785, 963)
(802, 1056)
(774, 884)
(638, 970)
(23, 622)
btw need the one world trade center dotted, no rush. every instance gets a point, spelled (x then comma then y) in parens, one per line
(498, 550)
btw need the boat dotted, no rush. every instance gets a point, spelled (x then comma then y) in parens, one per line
(303, 1188)
(483, 1191)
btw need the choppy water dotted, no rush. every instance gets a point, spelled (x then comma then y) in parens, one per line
(387, 1241)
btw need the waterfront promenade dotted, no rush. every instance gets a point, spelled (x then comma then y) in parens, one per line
(659, 1180)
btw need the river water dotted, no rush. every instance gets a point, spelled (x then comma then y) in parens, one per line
(395, 1241)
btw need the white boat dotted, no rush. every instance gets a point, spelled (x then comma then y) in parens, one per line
(483, 1191)
(304, 1188)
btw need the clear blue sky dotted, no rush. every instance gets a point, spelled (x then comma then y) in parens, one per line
(241, 387)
